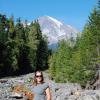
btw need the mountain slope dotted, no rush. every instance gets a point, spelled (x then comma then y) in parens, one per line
(56, 30)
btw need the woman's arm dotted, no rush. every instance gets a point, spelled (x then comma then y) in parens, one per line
(48, 93)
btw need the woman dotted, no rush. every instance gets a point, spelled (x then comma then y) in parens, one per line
(40, 89)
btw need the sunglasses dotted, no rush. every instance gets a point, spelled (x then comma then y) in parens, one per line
(38, 75)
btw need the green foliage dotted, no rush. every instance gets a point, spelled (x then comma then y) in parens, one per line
(22, 47)
(77, 63)
(60, 62)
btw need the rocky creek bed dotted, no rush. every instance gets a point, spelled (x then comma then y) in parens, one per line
(59, 91)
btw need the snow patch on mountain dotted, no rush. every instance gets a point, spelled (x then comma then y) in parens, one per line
(56, 30)
(58, 23)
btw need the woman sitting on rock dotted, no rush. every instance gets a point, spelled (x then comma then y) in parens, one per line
(40, 88)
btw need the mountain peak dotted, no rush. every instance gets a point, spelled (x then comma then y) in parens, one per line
(56, 30)
(55, 20)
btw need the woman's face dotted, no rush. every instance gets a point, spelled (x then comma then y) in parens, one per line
(38, 77)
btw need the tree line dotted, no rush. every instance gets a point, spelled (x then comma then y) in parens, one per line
(77, 60)
(23, 48)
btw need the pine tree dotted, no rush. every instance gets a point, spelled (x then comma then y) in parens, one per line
(21, 41)
(32, 44)
(42, 49)
(11, 32)
(79, 61)
(42, 55)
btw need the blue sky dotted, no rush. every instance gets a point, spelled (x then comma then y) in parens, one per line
(73, 12)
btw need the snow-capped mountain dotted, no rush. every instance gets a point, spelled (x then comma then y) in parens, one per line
(56, 30)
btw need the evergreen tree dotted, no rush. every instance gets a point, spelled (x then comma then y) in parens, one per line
(11, 32)
(32, 44)
(42, 49)
(83, 56)
(42, 55)
(60, 62)
(3, 40)
(21, 40)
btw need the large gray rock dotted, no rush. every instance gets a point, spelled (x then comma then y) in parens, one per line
(90, 95)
